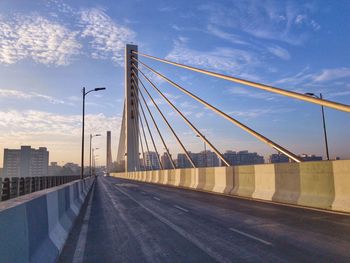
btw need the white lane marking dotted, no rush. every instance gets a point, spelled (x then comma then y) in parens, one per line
(144, 193)
(250, 236)
(80, 248)
(181, 208)
(156, 198)
(210, 252)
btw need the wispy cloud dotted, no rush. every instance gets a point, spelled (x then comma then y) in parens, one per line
(250, 93)
(227, 60)
(16, 122)
(274, 20)
(279, 52)
(233, 38)
(35, 37)
(108, 38)
(9, 93)
(331, 74)
(254, 113)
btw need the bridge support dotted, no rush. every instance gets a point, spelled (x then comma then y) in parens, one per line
(131, 112)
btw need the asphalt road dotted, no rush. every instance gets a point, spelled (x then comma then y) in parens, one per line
(127, 221)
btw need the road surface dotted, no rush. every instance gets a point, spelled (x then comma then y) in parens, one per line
(128, 221)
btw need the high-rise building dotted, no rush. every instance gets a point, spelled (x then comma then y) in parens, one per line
(151, 161)
(243, 158)
(279, 158)
(206, 159)
(164, 159)
(54, 169)
(309, 158)
(26, 162)
(182, 160)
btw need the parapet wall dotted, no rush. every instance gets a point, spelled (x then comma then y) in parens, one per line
(34, 227)
(322, 184)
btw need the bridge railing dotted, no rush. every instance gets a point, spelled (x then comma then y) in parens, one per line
(11, 187)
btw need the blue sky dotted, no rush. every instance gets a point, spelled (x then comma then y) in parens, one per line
(49, 50)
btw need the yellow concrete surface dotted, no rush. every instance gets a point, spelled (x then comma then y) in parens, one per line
(316, 184)
(244, 180)
(341, 175)
(287, 183)
(223, 178)
(264, 181)
(323, 184)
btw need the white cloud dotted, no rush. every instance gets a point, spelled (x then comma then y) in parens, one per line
(275, 20)
(108, 38)
(250, 93)
(234, 61)
(332, 74)
(37, 38)
(254, 113)
(8, 93)
(60, 133)
(233, 38)
(279, 52)
(316, 78)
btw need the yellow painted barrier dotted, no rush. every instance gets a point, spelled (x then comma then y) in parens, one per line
(244, 180)
(316, 184)
(287, 183)
(223, 178)
(322, 184)
(341, 175)
(265, 186)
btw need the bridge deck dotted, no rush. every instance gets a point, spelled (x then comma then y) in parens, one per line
(127, 221)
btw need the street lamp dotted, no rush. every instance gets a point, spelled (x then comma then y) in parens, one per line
(205, 152)
(94, 158)
(92, 136)
(83, 127)
(323, 120)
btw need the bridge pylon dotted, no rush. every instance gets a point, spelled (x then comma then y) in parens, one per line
(131, 113)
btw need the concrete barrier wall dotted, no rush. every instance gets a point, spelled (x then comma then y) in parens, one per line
(322, 184)
(34, 227)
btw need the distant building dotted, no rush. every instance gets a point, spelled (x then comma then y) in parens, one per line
(182, 160)
(243, 158)
(309, 158)
(164, 159)
(151, 161)
(54, 169)
(25, 162)
(202, 159)
(206, 159)
(279, 158)
(72, 169)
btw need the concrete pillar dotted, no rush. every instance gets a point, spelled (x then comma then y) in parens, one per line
(131, 112)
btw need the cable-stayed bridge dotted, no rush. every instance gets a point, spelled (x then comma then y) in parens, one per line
(288, 212)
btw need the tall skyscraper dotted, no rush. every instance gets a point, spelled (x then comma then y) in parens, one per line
(166, 161)
(109, 153)
(151, 161)
(26, 162)
(243, 158)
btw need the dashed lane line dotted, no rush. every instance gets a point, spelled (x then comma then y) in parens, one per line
(181, 208)
(250, 236)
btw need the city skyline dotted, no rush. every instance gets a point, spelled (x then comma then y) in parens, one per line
(81, 43)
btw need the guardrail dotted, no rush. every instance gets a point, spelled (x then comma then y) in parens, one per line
(11, 187)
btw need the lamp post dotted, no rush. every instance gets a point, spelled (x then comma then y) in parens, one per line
(205, 153)
(94, 159)
(323, 120)
(83, 127)
(92, 136)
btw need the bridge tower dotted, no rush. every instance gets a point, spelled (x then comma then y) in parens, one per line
(131, 113)
(108, 153)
